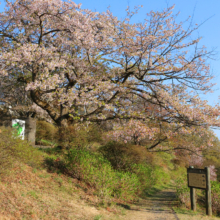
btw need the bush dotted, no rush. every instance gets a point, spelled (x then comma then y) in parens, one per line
(94, 133)
(137, 160)
(123, 156)
(14, 149)
(127, 186)
(162, 177)
(182, 191)
(46, 133)
(78, 135)
(215, 195)
(53, 163)
(72, 135)
(146, 176)
(96, 171)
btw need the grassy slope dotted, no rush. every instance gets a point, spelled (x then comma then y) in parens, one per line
(30, 193)
(27, 193)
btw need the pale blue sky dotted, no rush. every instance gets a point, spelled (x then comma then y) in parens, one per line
(201, 11)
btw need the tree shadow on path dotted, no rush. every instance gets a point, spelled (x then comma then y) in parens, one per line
(157, 207)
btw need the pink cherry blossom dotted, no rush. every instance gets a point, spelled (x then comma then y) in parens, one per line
(77, 65)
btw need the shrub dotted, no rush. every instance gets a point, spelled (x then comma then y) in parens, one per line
(161, 176)
(136, 160)
(114, 152)
(45, 132)
(215, 195)
(94, 133)
(123, 156)
(182, 191)
(72, 135)
(77, 135)
(53, 163)
(96, 171)
(47, 143)
(146, 176)
(178, 163)
(14, 149)
(127, 186)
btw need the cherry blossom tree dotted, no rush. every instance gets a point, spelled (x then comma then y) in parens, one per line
(14, 98)
(80, 65)
(132, 131)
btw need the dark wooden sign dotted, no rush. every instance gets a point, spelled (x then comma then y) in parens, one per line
(200, 179)
(197, 178)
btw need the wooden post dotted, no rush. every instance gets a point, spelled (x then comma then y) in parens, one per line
(193, 196)
(208, 193)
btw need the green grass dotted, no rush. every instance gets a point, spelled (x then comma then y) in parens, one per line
(33, 194)
(98, 217)
(14, 150)
(180, 210)
(44, 175)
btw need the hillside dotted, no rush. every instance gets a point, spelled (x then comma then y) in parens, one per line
(29, 193)
(103, 182)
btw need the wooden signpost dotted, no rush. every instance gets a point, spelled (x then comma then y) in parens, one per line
(200, 179)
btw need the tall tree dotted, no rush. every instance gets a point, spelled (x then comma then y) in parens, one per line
(81, 65)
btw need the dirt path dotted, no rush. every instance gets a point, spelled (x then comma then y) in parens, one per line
(157, 207)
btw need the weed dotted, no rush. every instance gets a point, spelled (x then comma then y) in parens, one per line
(64, 189)
(182, 191)
(70, 180)
(13, 149)
(52, 151)
(59, 180)
(96, 171)
(123, 156)
(33, 194)
(215, 196)
(45, 131)
(184, 211)
(34, 170)
(98, 217)
(47, 143)
(123, 212)
(44, 175)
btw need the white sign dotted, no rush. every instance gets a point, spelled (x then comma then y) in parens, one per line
(19, 125)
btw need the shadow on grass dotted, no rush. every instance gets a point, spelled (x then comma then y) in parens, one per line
(154, 190)
(55, 150)
(124, 206)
